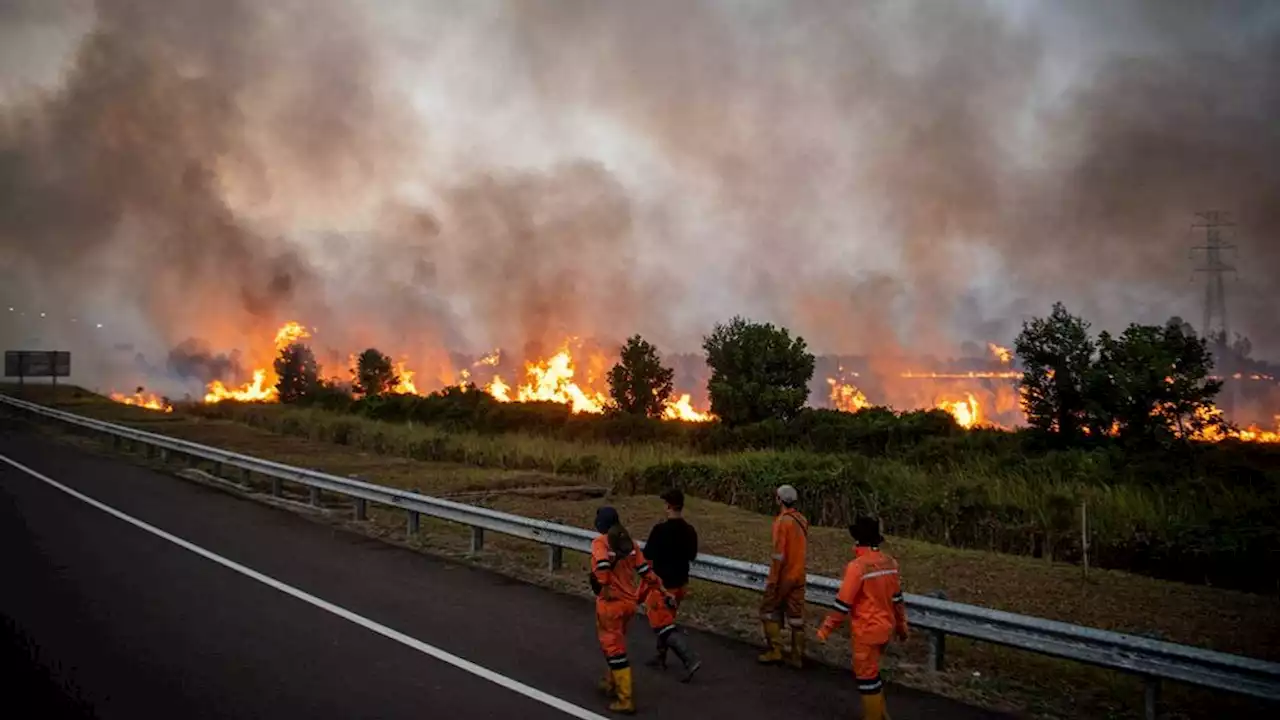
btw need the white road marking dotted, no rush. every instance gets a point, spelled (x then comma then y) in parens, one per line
(564, 706)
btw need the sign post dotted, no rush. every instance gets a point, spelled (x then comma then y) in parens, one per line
(23, 364)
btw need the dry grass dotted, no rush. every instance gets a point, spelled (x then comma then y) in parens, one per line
(989, 675)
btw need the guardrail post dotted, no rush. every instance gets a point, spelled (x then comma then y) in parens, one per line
(1151, 697)
(217, 469)
(277, 486)
(555, 557)
(937, 642)
(413, 523)
(361, 509)
(477, 539)
(151, 451)
(116, 442)
(164, 455)
(245, 477)
(315, 496)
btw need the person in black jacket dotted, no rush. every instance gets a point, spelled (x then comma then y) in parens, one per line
(672, 545)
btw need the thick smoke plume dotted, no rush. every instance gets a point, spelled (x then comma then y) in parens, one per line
(887, 178)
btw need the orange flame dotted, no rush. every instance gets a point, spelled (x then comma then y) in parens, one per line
(262, 387)
(149, 401)
(971, 375)
(404, 382)
(256, 391)
(499, 390)
(967, 412)
(1004, 354)
(682, 409)
(845, 396)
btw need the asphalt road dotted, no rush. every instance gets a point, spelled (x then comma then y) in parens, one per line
(135, 625)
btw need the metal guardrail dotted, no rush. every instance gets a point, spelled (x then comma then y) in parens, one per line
(1153, 660)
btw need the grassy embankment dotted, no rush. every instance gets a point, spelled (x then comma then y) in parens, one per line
(1196, 513)
(1224, 620)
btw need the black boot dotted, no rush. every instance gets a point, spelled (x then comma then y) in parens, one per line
(680, 644)
(659, 660)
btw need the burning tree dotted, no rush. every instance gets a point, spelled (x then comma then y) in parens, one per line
(375, 374)
(758, 372)
(1153, 382)
(1057, 357)
(639, 384)
(298, 373)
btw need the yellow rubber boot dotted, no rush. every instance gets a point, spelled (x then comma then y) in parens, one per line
(873, 707)
(622, 682)
(796, 659)
(773, 635)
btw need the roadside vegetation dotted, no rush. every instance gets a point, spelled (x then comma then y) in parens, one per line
(1112, 456)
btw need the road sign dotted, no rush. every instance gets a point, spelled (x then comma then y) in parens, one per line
(37, 363)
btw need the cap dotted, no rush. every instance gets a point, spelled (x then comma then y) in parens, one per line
(787, 495)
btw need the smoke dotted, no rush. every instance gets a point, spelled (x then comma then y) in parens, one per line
(193, 358)
(886, 178)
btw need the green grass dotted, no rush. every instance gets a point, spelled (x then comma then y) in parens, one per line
(1214, 532)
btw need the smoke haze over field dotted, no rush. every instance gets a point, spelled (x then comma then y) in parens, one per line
(883, 177)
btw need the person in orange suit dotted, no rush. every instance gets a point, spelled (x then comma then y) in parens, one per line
(784, 588)
(621, 579)
(871, 596)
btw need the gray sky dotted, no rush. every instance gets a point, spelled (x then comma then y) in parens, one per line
(883, 177)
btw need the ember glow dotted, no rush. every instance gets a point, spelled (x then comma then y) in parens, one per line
(150, 401)
(845, 396)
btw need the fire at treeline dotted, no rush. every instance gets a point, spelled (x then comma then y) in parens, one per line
(980, 389)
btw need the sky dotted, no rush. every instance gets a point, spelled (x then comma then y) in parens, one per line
(883, 177)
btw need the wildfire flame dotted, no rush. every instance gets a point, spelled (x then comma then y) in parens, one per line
(259, 390)
(682, 409)
(149, 401)
(263, 386)
(1004, 354)
(551, 380)
(967, 412)
(971, 375)
(846, 397)
(1215, 432)
(404, 383)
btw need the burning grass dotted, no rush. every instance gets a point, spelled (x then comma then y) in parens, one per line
(1202, 517)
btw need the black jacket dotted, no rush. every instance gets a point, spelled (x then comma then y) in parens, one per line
(672, 545)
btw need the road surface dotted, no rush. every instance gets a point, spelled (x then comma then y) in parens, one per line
(149, 596)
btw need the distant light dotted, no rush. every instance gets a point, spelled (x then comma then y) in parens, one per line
(10, 309)
(99, 324)
(41, 314)
(73, 319)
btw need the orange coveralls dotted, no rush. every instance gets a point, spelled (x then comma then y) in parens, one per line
(871, 594)
(784, 588)
(620, 593)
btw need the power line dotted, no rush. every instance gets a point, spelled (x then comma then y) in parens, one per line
(1214, 267)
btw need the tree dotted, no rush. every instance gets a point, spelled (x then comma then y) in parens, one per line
(1159, 384)
(758, 372)
(297, 372)
(374, 374)
(1058, 382)
(639, 383)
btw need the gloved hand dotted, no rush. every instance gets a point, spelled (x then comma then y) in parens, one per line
(669, 601)
(596, 587)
